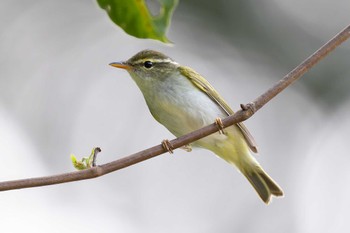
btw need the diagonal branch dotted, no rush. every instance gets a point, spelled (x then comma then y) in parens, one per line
(246, 112)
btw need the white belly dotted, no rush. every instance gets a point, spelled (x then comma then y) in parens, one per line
(181, 107)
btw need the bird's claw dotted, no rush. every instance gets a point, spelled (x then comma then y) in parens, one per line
(220, 125)
(167, 146)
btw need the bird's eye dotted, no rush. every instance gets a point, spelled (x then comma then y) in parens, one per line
(148, 64)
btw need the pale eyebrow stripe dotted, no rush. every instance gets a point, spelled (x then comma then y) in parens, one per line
(167, 60)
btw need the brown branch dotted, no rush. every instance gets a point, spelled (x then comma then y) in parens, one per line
(246, 112)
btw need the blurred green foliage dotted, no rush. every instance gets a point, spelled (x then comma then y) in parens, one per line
(135, 18)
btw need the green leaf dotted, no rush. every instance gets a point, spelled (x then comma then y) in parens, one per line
(85, 162)
(134, 17)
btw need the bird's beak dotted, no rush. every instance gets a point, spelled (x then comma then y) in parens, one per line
(121, 65)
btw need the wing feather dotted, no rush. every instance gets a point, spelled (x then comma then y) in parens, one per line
(205, 86)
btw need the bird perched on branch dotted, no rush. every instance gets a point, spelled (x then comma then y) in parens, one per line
(183, 101)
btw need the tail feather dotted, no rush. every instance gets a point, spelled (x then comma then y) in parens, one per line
(273, 186)
(263, 184)
(236, 152)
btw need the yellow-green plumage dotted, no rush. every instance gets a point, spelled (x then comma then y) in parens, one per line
(183, 101)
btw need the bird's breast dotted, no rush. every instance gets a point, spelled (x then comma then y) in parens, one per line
(181, 107)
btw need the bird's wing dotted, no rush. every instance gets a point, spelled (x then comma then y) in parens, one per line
(208, 89)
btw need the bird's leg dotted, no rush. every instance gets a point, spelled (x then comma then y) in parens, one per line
(220, 125)
(167, 145)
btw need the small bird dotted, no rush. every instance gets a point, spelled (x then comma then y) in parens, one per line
(183, 101)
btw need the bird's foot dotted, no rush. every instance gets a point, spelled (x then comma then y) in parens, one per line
(167, 146)
(220, 125)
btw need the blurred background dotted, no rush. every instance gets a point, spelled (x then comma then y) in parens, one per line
(59, 96)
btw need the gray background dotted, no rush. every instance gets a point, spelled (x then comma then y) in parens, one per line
(59, 96)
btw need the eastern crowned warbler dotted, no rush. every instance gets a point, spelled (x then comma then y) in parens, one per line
(182, 100)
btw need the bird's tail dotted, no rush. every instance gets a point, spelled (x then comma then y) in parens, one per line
(235, 151)
(263, 184)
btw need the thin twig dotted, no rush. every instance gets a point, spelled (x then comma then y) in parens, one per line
(246, 112)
